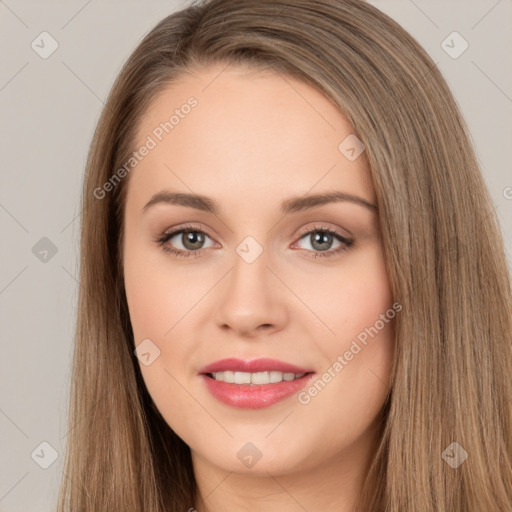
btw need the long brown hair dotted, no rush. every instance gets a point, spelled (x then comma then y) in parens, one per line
(444, 253)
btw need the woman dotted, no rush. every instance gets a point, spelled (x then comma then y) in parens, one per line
(294, 289)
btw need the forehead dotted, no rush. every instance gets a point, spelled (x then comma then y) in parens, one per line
(248, 132)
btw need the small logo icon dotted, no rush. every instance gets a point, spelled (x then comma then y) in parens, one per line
(249, 249)
(44, 45)
(45, 455)
(249, 455)
(147, 352)
(454, 455)
(454, 45)
(44, 250)
(351, 147)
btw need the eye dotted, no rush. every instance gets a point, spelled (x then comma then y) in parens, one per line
(321, 240)
(191, 239)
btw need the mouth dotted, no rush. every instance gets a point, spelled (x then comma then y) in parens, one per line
(232, 382)
(256, 378)
(261, 365)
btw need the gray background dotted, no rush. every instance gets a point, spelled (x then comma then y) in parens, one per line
(49, 110)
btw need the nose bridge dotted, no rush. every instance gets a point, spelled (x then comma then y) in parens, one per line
(248, 280)
(250, 299)
(249, 267)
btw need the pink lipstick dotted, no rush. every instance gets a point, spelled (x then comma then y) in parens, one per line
(253, 384)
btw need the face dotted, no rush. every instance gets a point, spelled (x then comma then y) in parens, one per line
(244, 265)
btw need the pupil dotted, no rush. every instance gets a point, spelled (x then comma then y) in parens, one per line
(322, 239)
(193, 239)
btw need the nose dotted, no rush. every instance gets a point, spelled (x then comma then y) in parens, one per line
(251, 300)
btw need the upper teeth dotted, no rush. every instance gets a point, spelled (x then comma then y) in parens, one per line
(255, 378)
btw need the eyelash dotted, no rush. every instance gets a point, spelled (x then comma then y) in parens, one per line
(162, 239)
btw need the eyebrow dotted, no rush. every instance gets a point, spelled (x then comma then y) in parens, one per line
(291, 205)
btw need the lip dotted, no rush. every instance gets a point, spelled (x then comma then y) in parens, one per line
(253, 396)
(252, 366)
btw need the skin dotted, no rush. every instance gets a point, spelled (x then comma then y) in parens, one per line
(254, 140)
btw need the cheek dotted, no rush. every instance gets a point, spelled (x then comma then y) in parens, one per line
(158, 294)
(358, 307)
(157, 300)
(352, 297)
